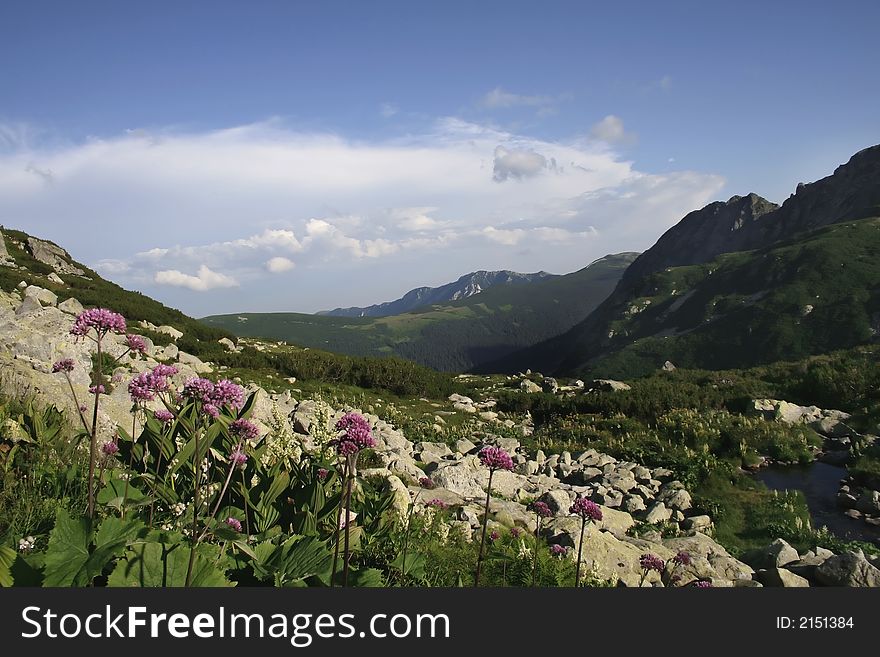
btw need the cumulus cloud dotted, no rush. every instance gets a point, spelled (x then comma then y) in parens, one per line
(521, 163)
(611, 130)
(279, 264)
(206, 279)
(362, 220)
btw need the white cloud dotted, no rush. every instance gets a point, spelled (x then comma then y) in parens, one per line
(279, 264)
(420, 208)
(611, 130)
(206, 279)
(521, 163)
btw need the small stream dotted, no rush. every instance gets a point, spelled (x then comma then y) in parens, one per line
(819, 483)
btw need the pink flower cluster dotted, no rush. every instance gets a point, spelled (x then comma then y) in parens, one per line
(558, 550)
(146, 385)
(238, 458)
(703, 584)
(136, 343)
(163, 416)
(234, 523)
(214, 396)
(100, 319)
(244, 430)
(541, 509)
(98, 390)
(437, 503)
(356, 436)
(323, 473)
(110, 448)
(682, 558)
(651, 562)
(586, 509)
(494, 536)
(63, 365)
(495, 458)
(426, 482)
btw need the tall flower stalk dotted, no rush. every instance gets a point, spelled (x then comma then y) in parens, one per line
(493, 458)
(541, 511)
(95, 324)
(588, 511)
(355, 435)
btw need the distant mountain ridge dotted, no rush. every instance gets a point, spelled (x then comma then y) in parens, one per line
(463, 288)
(453, 335)
(739, 283)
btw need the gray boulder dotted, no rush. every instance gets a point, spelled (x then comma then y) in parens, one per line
(848, 569)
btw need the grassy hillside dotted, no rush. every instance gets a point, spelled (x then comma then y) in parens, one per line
(807, 296)
(451, 337)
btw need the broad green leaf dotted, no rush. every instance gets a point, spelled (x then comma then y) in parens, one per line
(371, 577)
(115, 492)
(7, 557)
(68, 551)
(72, 561)
(414, 566)
(152, 564)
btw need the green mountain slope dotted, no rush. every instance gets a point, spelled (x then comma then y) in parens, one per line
(739, 283)
(455, 336)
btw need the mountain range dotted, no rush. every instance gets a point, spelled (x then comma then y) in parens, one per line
(454, 335)
(465, 287)
(739, 283)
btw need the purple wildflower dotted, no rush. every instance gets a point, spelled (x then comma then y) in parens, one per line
(100, 319)
(515, 532)
(244, 429)
(322, 473)
(586, 509)
(703, 584)
(437, 503)
(63, 365)
(227, 393)
(682, 558)
(198, 389)
(357, 434)
(541, 509)
(110, 448)
(651, 562)
(238, 458)
(234, 523)
(163, 416)
(426, 482)
(494, 536)
(164, 370)
(98, 389)
(141, 388)
(495, 458)
(136, 343)
(558, 550)
(211, 411)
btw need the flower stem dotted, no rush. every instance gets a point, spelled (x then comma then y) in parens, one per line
(222, 492)
(348, 519)
(577, 576)
(485, 524)
(537, 538)
(130, 459)
(336, 531)
(93, 442)
(197, 468)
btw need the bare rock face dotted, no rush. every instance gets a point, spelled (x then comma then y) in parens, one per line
(5, 258)
(52, 255)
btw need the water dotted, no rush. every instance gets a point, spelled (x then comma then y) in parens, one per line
(819, 483)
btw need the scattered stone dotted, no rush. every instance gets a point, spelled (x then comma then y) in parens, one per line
(781, 577)
(71, 307)
(55, 278)
(529, 387)
(848, 569)
(610, 385)
(44, 296)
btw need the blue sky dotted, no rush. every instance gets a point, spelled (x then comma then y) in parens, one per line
(226, 156)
